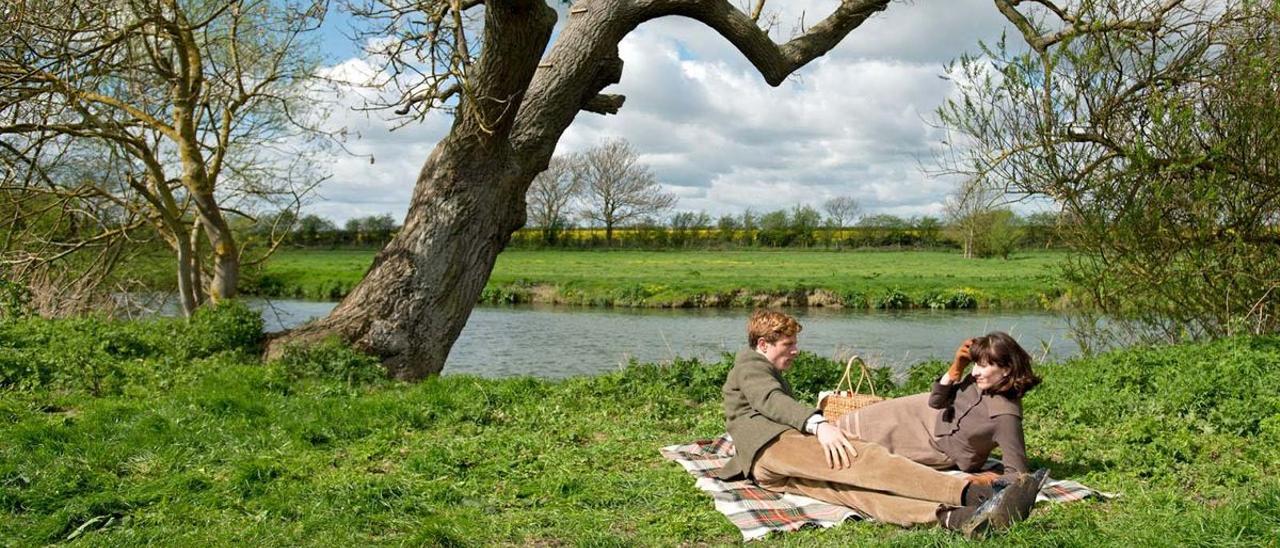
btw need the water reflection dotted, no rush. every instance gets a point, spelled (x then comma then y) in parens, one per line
(554, 342)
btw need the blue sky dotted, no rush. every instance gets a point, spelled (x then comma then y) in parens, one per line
(855, 122)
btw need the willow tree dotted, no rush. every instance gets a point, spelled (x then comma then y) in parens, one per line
(483, 59)
(193, 101)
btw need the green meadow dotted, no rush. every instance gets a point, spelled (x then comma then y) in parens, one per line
(174, 433)
(856, 279)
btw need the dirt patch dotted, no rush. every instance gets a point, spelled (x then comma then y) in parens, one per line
(824, 298)
(545, 293)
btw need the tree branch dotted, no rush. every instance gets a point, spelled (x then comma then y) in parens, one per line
(604, 103)
(776, 62)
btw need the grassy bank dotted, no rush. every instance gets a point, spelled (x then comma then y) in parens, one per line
(171, 433)
(857, 279)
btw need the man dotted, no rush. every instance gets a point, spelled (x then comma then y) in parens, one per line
(787, 446)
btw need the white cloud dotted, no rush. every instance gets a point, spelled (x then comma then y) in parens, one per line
(853, 122)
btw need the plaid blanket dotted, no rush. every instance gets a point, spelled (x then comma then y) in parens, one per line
(757, 511)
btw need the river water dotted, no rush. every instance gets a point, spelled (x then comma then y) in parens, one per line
(556, 341)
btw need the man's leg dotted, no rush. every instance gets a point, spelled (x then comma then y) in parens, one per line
(795, 455)
(882, 506)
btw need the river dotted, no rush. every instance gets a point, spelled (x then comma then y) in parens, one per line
(556, 342)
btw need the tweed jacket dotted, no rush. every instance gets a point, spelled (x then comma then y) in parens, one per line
(758, 406)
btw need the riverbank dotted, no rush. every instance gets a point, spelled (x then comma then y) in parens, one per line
(861, 279)
(169, 432)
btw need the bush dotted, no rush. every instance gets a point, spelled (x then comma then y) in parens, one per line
(330, 359)
(15, 300)
(229, 325)
(939, 300)
(103, 356)
(894, 300)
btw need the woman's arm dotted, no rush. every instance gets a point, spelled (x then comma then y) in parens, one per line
(1009, 437)
(943, 395)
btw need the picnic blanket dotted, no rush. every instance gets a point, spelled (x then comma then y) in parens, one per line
(757, 511)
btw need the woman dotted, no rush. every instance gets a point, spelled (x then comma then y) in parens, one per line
(959, 422)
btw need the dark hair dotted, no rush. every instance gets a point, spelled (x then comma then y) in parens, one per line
(999, 349)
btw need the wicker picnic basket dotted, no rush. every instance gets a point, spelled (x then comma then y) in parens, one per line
(846, 397)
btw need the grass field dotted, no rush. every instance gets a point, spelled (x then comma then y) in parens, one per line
(169, 433)
(860, 279)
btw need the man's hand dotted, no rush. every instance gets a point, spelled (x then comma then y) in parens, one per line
(961, 361)
(839, 451)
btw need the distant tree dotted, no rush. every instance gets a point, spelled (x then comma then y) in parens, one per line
(1042, 229)
(313, 229)
(371, 229)
(617, 188)
(883, 220)
(775, 228)
(841, 210)
(1000, 233)
(726, 226)
(750, 224)
(929, 229)
(685, 224)
(967, 208)
(551, 196)
(805, 221)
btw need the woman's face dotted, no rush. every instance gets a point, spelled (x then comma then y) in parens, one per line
(987, 374)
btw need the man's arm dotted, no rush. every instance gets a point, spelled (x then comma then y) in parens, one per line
(765, 394)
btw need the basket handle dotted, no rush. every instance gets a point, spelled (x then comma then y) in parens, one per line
(866, 375)
(845, 381)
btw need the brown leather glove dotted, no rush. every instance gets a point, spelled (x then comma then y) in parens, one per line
(961, 361)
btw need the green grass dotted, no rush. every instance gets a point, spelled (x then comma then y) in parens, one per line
(208, 447)
(859, 279)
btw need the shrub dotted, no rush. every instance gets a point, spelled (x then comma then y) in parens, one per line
(330, 359)
(15, 300)
(894, 300)
(229, 325)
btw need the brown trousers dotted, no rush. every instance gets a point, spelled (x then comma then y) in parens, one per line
(885, 486)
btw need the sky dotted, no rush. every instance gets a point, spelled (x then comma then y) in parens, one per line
(856, 122)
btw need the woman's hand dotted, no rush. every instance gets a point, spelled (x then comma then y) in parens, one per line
(983, 478)
(836, 446)
(961, 361)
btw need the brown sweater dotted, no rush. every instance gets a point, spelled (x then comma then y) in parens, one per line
(951, 426)
(758, 406)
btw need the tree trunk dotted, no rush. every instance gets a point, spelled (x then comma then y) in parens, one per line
(417, 296)
(187, 283)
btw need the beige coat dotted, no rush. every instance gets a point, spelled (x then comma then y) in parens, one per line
(758, 406)
(951, 426)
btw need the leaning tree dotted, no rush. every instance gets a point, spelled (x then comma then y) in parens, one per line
(511, 104)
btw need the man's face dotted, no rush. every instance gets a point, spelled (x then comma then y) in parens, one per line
(779, 353)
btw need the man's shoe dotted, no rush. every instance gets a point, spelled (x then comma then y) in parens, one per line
(1009, 505)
